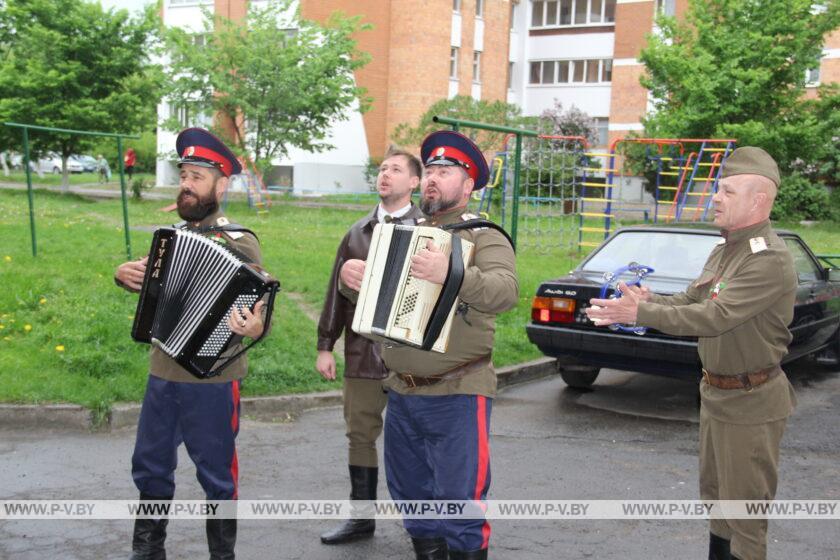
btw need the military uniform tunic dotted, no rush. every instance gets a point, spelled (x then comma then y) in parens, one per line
(740, 308)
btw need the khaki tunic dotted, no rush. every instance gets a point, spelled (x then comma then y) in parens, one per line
(740, 308)
(161, 365)
(490, 287)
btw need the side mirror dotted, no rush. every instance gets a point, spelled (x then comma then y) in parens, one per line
(834, 274)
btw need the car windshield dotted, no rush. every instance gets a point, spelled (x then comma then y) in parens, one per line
(670, 254)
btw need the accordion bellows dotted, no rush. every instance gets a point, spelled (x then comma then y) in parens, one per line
(191, 285)
(395, 306)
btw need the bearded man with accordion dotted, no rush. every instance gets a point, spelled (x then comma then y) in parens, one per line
(440, 388)
(186, 401)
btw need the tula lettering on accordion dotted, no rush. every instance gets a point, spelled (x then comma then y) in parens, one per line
(395, 306)
(192, 284)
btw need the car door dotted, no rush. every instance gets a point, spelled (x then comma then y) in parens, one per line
(814, 321)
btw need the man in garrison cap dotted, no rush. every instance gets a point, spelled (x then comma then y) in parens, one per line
(178, 407)
(437, 424)
(739, 308)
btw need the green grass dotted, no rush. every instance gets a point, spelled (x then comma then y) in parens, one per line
(68, 298)
(92, 179)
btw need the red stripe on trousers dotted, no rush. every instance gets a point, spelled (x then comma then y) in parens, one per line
(234, 425)
(483, 460)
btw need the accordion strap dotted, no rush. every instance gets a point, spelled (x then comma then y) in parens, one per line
(479, 223)
(211, 229)
(446, 299)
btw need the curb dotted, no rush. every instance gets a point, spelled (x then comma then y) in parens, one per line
(266, 409)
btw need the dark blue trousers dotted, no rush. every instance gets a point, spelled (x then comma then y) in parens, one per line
(205, 417)
(437, 448)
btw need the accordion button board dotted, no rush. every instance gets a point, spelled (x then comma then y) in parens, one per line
(394, 305)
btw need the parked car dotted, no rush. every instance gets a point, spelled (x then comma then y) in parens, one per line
(560, 328)
(88, 163)
(51, 163)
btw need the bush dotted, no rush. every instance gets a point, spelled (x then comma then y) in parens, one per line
(372, 172)
(801, 199)
(137, 188)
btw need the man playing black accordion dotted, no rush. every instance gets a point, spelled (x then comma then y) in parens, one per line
(178, 406)
(438, 417)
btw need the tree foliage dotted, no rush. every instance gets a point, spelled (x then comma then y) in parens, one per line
(736, 68)
(71, 64)
(272, 80)
(467, 108)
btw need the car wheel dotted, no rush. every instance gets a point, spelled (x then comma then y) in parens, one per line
(831, 355)
(578, 376)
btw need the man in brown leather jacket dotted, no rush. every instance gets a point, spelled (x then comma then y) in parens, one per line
(364, 398)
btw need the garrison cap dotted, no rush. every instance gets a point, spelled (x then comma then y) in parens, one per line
(447, 147)
(197, 146)
(750, 160)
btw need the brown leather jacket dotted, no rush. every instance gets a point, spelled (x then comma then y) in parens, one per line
(361, 356)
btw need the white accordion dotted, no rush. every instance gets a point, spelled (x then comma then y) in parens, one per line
(393, 305)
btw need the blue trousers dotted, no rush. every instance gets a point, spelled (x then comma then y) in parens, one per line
(437, 448)
(205, 417)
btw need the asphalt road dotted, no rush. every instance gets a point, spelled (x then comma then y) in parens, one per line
(633, 437)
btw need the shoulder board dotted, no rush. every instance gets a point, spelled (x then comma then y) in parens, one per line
(758, 244)
(477, 223)
(467, 217)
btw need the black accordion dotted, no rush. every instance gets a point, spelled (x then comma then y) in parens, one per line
(192, 284)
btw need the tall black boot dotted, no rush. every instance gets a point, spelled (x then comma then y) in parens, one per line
(430, 549)
(149, 535)
(718, 548)
(221, 538)
(470, 555)
(363, 482)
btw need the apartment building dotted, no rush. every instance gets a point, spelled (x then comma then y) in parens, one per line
(422, 51)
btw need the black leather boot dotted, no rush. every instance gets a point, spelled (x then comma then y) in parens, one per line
(718, 548)
(221, 538)
(149, 535)
(430, 549)
(471, 555)
(363, 482)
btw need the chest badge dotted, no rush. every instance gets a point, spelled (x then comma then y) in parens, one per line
(714, 292)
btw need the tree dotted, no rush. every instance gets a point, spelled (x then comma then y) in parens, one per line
(569, 122)
(70, 64)
(465, 108)
(272, 80)
(736, 68)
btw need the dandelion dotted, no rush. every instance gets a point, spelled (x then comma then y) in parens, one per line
(2, 327)
(27, 328)
(7, 258)
(7, 338)
(42, 301)
(59, 348)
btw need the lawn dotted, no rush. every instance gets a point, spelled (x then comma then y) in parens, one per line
(91, 179)
(65, 327)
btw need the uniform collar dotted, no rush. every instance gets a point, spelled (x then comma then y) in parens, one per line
(448, 217)
(755, 230)
(210, 220)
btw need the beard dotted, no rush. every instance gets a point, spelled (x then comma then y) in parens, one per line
(432, 207)
(196, 208)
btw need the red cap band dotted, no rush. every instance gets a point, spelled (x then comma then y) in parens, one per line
(208, 154)
(448, 152)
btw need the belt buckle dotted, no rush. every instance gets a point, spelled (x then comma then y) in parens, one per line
(409, 380)
(748, 383)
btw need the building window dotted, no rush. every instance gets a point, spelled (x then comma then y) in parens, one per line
(510, 75)
(512, 15)
(603, 127)
(547, 72)
(667, 7)
(812, 76)
(479, 8)
(477, 67)
(453, 63)
(456, 5)
(559, 13)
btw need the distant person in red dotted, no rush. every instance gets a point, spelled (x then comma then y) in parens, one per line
(129, 159)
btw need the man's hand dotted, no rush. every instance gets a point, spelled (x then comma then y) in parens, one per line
(622, 310)
(430, 264)
(325, 364)
(352, 273)
(244, 322)
(130, 274)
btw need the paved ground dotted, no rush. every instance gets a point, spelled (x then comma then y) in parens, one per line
(633, 437)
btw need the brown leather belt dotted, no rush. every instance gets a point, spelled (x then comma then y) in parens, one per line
(459, 371)
(743, 380)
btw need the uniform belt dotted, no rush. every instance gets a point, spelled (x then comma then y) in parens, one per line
(743, 380)
(455, 373)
